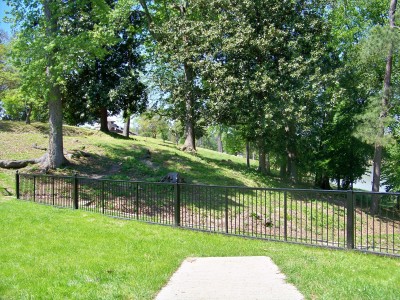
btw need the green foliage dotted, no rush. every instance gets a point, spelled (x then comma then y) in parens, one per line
(153, 126)
(234, 142)
(13, 104)
(74, 43)
(111, 82)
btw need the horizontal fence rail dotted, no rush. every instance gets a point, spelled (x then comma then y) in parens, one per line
(339, 219)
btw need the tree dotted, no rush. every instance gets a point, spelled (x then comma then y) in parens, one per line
(151, 125)
(385, 106)
(377, 63)
(112, 83)
(176, 28)
(48, 46)
(263, 70)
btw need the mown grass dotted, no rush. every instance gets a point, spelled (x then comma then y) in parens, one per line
(50, 253)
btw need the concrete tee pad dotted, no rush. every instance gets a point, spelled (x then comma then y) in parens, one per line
(244, 278)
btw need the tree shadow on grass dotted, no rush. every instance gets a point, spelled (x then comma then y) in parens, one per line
(268, 181)
(135, 160)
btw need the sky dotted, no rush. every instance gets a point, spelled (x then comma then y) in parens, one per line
(3, 9)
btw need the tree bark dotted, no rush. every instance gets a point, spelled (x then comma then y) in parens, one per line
(291, 151)
(248, 154)
(103, 120)
(322, 181)
(376, 178)
(219, 142)
(261, 159)
(190, 141)
(292, 166)
(127, 125)
(283, 167)
(267, 164)
(56, 147)
(55, 156)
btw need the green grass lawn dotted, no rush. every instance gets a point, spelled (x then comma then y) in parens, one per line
(51, 253)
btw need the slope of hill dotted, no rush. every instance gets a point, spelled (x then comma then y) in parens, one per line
(95, 154)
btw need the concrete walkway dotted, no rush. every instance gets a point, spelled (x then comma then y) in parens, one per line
(232, 278)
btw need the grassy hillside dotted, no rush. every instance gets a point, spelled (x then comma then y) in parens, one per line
(100, 155)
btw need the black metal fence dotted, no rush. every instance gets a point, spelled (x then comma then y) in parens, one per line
(340, 219)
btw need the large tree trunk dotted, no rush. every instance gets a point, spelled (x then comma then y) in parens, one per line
(291, 152)
(267, 164)
(376, 178)
(322, 181)
(55, 156)
(261, 158)
(190, 142)
(127, 125)
(292, 166)
(103, 120)
(219, 142)
(56, 148)
(283, 167)
(248, 154)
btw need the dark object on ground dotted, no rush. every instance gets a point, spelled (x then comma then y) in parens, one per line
(173, 177)
(147, 154)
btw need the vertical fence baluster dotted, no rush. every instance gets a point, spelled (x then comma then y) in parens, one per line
(34, 188)
(137, 201)
(17, 184)
(52, 190)
(285, 215)
(226, 211)
(177, 204)
(350, 220)
(102, 197)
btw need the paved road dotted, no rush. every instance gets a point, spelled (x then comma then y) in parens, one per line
(232, 278)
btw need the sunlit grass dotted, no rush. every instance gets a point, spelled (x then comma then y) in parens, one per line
(50, 253)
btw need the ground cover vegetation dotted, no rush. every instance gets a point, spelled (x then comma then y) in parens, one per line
(308, 88)
(58, 253)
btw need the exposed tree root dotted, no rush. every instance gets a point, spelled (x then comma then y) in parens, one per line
(18, 164)
(188, 149)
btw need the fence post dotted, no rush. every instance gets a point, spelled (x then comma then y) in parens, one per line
(285, 215)
(350, 220)
(226, 211)
(177, 211)
(17, 184)
(76, 195)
